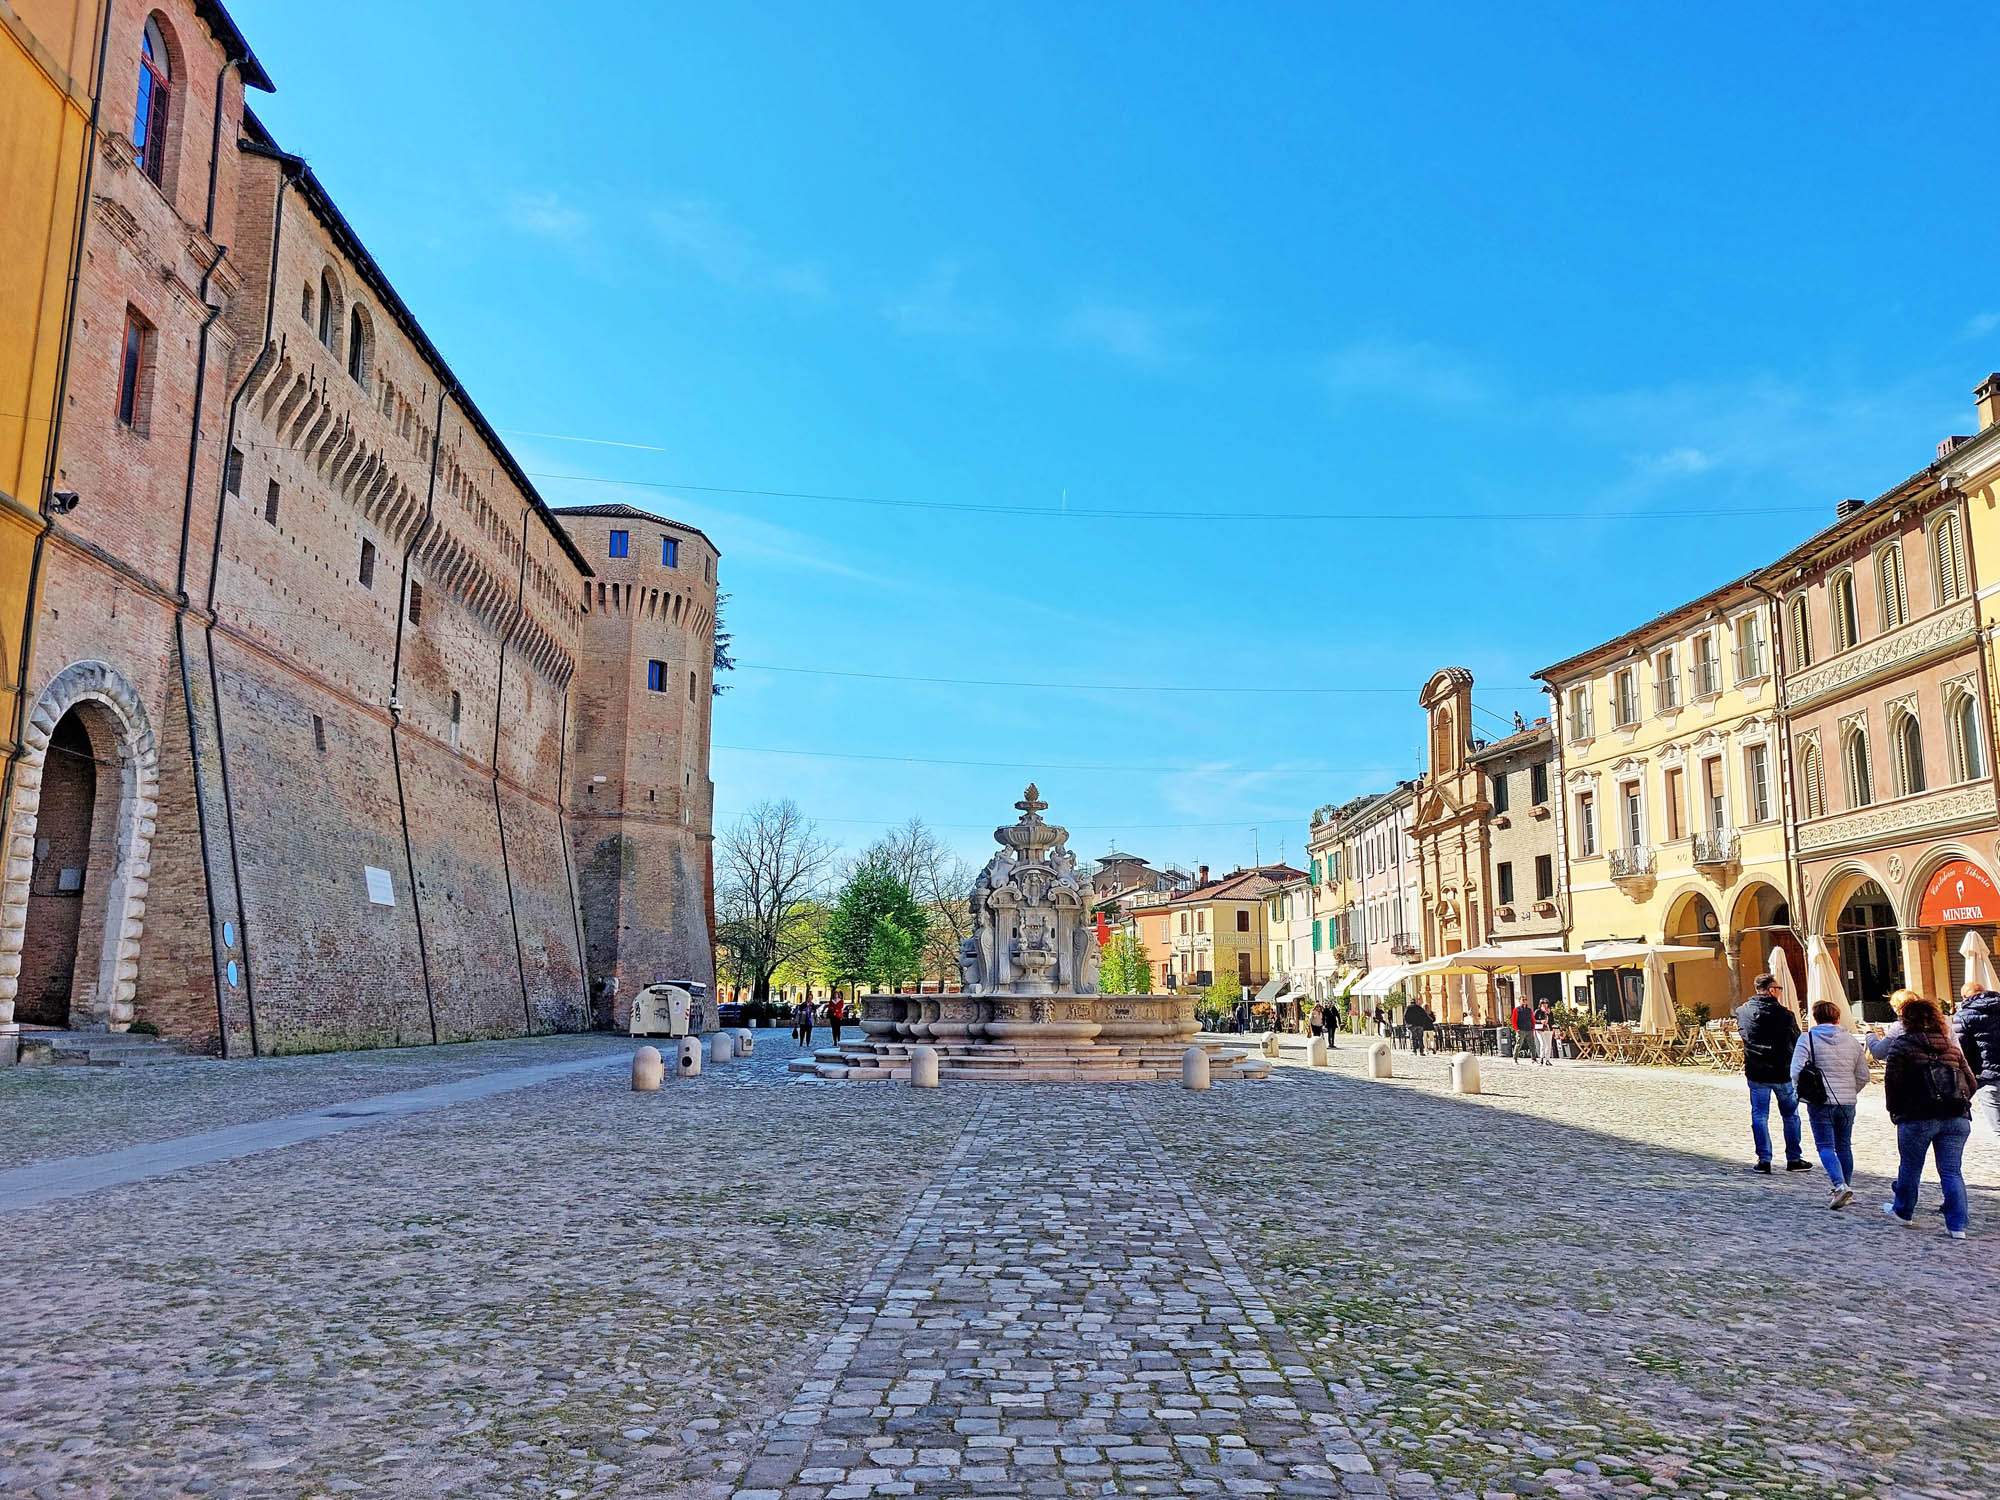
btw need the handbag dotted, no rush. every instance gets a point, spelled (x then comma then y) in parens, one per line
(1811, 1082)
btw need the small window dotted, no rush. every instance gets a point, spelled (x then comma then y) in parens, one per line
(1586, 824)
(1801, 629)
(357, 346)
(306, 304)
(1968, 762)
(1947, 557)
(319, 734)
(1860, 774)
(1545, 877)
(1889, 577)
(621, 543)
(1500, 792)
(367, 564)
(417, 618)
(690, 687)
(135, 375)
(1242, 921)
(1846, 621)
(670, 551)
(327, 331)
(271, 502)
(1504, 879)
(1909, 746)
(232, 472)
(656, 676)
(1538, 785)
(149, 118)
(457, 709)
(1757, 778)
(1812, 781)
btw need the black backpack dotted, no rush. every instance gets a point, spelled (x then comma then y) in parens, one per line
(1812, 1082)
(1941, 1078)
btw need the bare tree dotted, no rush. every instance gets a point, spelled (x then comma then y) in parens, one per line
(770, 867)
(940, 879)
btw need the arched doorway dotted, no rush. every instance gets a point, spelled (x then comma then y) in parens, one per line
(73, 901)
(1871, 950)
(1761, 927)
(1700, 984)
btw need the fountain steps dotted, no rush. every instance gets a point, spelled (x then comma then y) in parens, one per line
(1027, 1062)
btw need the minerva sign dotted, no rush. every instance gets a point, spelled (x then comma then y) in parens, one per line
(1959, 893)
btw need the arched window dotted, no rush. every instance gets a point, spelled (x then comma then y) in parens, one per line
(1442, 755)
(357, 345)
(1840, 603)
(1812, 781)
(1889, 580)
(1947, 558)
(1908, 741)
(1968, 756)
(1860, 776)
(327, 314)
(149, 119)
(1801, 631)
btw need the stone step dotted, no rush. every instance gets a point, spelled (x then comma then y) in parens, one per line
(96, 1049)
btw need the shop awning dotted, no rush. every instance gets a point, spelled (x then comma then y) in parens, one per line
(1378, 982)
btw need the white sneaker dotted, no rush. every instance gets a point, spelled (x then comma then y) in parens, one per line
(1957, 1234)
(1842, 1196)
(1890, 1210)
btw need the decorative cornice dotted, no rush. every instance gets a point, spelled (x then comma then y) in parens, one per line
(1893, 822)
(1897, 651)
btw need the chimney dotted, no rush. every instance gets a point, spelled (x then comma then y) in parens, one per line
(1204, 875)
(1847, 508)
(1988, 397)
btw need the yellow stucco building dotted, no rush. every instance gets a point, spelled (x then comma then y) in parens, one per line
(1673, 796)
(48, 67)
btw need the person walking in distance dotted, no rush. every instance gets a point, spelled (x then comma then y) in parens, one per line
(1930, 1089)
(1978, 1026)
(836, 1016)
(802, 1021)
(1416, 1021)
(1330, 1022)
(1524, 1028)
(1545, 1032)
(1770, 1031)
(1829, 1071)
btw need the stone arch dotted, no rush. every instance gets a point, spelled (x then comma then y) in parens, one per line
(1698, 983)
(113, 709)
(1938, 854)
(1839, 883)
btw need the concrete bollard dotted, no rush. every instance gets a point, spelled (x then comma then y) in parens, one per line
(745, 1043)
(647, 1069)
(690, 1056)
(1270, 1044)
(1465, 1074)
(721, 1048)
(1194, 1069)
(923, 1067)
(1316, 1052)
(1378, 1060)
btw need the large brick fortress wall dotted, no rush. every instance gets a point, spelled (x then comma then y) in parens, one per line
(325, 656)
(641, 802)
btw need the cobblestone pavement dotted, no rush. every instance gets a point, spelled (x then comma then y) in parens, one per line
(1568, 1286)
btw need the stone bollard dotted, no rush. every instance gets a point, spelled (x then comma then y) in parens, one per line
(1378, 1060)
(721, 1048)
(923, 1067)
(690, 1056)
(745, 1043)
(1270, 1044)
(1194, 1069)
(1465, 1074)
(1316, 1052)
(647, 1069)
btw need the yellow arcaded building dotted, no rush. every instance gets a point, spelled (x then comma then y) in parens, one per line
(48, 67)
(1673, 796)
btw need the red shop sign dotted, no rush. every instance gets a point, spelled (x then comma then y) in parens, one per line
(1960, 893)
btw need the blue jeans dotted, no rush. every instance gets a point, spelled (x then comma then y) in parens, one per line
(1833, 1134)
(1916, 1139)
(1761, 1095)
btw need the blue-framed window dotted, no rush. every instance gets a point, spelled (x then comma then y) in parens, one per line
(656, 676)
(670, 551)
(621, 543)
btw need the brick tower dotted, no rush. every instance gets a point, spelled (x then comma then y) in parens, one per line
(642, 807)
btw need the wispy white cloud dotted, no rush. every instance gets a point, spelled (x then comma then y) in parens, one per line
(1982, 323)
(1136, 335)
(703, 235)
(1413, 371)
(936, 307)
(547, 216)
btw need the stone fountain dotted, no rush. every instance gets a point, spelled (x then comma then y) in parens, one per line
(1028, 1008)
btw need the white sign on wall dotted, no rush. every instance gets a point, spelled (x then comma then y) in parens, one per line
(381, 889)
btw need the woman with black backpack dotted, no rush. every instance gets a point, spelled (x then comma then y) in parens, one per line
(1930, 1092)
(1830, 1069)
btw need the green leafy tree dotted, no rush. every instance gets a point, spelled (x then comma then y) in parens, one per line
(1218, 1002)
(769, 865)
(873, 892)
(895, 956)
(1124, 968)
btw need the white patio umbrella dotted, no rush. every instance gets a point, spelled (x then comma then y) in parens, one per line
(1823, 979)
(1657, 1015)
(1635, 955)
(1978, 961)
(1781, 970)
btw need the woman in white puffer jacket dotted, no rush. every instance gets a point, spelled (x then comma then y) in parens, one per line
(1843, 1063)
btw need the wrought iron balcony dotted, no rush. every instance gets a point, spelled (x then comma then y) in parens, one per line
(1635, 863)
(1716, 846)
(1625, 712)
(1403, 945)
(1707, 677)
(1750, 661)
(1666, 695)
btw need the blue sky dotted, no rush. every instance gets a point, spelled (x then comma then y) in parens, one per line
(1548, 321)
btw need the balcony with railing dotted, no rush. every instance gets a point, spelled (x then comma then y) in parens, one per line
(1403, 945)
(1580, 726)
(1625, 710)
(1750, 662)
(1632, 863)
(1666, 695)
(1715, 847)
(1707, 678)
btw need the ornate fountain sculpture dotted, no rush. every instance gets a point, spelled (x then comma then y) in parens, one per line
(1029, 969)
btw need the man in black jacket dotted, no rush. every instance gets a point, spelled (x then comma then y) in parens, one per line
(1978, 1027)
(1770, 1031)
